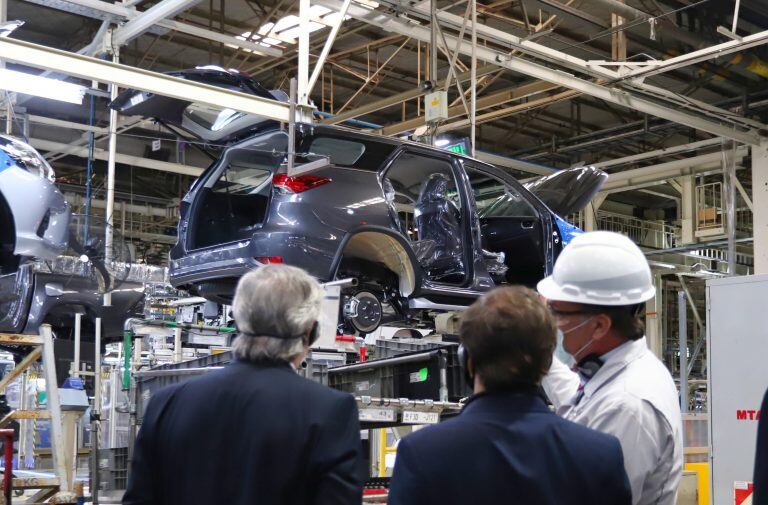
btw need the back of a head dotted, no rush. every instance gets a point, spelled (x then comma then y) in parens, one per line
(510, 336)
(275, 306)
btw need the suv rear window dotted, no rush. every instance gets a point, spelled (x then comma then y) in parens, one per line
(349, 151)
(341, 152)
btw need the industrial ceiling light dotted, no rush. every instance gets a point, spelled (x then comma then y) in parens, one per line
(287, 27)
(8, 27)
(43, 87)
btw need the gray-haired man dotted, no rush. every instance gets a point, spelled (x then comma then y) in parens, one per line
(255, 432)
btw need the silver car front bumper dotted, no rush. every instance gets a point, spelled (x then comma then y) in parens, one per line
(33, 200)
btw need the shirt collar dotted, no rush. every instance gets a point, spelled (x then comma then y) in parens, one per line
(517, 400)
(614, 361)
(616, 351)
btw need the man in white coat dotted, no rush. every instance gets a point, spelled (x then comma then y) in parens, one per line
(597, 291)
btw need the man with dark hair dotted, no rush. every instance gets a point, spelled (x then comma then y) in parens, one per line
(597, 293)
(254, 432)
(507, 445)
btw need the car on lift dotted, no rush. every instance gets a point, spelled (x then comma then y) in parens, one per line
(34, 215)
(43, 278)
(421, 229)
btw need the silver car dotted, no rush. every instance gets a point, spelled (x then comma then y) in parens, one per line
(34, 216)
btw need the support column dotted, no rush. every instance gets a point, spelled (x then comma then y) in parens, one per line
(653, 318)
(110, 198)
(590, 212)
(303, 63)
(688, 209)
(619, 38)
(682, 315)
(760, 204)
(473, 84)
(729, 184)
(433, 41)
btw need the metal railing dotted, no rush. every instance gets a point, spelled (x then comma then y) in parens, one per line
(709, 206)
(655, 234)
(644, 232)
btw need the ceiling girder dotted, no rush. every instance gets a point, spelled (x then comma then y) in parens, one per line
(613, 95)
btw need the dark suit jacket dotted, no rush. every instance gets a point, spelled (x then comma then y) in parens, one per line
(509, 448)
(760, 493)
(248, 434)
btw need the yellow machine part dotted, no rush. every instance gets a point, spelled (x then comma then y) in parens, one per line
(702, 476)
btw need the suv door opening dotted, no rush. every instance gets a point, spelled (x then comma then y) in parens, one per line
(426, 207)
(509, 224)
(233, 201)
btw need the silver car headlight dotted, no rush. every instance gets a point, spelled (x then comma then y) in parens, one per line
(26, 157)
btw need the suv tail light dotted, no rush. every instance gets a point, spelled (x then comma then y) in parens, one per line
(297, 184)
(269, 259)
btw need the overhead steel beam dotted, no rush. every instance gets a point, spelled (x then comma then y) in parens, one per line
(327, 48)
(509, 111)
(125, 159)
(144, 21)
(666, 151)
(515, 164)
(484, 102)
(85, 67)
(127, 123)
(708, 53)
(621, 181)
(505, 39)
(399, 98)
(166, 212)
(539, 71)
(120, 11)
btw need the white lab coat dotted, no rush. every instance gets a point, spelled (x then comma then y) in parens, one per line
(634, 398)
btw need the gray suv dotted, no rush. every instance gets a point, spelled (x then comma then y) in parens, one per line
(421, 229)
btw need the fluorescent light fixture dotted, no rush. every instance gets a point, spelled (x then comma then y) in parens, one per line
(8, 27)
(442, 142)
(287, 27)
(43, 87)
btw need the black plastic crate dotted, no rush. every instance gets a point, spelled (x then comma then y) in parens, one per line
(363, 379)
(148, 386)
(390, 347)
(457, 387)
(414, 375)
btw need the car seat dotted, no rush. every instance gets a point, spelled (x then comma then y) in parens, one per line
(438, 223)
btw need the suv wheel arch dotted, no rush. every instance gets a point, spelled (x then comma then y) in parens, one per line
(382, 245)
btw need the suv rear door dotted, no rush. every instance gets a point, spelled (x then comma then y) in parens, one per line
(512, 222)
(207, 123)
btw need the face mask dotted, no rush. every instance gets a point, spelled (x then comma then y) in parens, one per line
(561, 353)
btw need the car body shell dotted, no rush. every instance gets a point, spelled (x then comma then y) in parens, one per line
(318, 228)
(312, 229)
(40, 214)
(37, 283)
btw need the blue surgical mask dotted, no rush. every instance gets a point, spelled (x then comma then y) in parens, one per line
(561, 353)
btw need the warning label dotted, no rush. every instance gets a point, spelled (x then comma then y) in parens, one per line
(742, 493)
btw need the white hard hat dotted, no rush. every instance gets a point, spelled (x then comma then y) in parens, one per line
(600, 268)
